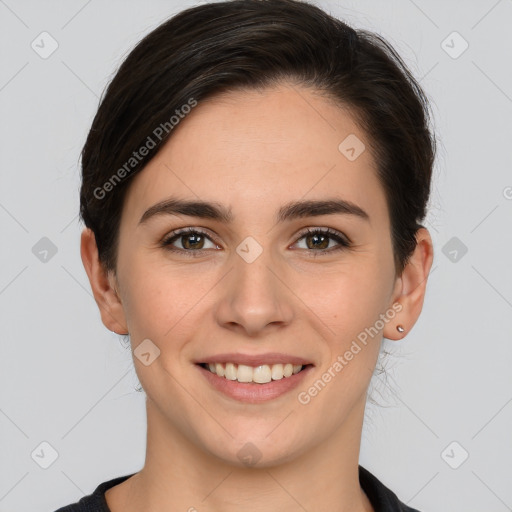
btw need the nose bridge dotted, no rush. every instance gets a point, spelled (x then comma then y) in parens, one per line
(252, 271)
(254, 297)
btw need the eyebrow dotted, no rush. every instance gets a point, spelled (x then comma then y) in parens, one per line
(218, 212)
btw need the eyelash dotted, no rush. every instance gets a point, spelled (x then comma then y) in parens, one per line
(343, 241)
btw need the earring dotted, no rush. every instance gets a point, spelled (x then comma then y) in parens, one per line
(400, 328)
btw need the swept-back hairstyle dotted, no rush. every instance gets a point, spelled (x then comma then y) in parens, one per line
(235, 44)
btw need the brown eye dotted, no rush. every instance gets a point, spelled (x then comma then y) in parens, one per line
(319, 240)
(191, 241)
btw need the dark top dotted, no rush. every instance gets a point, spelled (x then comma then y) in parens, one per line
(381, 498)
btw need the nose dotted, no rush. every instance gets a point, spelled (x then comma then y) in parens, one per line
(255, 297)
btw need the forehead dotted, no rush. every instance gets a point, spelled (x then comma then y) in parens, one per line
(252, 148)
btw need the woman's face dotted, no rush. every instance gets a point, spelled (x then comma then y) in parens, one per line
(258, 289)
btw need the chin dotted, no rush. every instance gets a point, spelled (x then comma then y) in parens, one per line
(253, 451)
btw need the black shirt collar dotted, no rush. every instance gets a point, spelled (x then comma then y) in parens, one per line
(381, 498)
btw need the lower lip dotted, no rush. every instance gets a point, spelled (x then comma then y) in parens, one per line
(251, 392)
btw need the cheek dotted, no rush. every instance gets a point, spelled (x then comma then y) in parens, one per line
(351, 298)
(147, 298)
(162, 300)
(350, 303)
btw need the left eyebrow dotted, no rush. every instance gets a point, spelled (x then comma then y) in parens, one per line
(288, 212)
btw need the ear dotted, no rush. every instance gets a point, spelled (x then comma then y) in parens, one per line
(410, 287)
(103, 285)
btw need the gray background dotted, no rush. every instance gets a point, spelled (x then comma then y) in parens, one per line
(69, 382)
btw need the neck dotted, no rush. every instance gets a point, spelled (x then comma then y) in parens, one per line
(178, 475)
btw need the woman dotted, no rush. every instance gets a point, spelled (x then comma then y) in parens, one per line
(254, 184)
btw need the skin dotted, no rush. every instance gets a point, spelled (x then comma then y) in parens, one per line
(254, 151)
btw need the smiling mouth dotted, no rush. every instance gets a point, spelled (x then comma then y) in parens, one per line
(262, 374)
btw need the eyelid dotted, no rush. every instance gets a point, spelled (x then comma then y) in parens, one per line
(334, 233)
(191, 229)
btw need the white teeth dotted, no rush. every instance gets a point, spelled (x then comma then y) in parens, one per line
(230, 372)
(219, 370)
(244, 373)
(262, 374)
(277, 372)
(259, 374)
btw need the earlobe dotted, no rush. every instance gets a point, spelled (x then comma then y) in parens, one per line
(103, 285)
(411, 287)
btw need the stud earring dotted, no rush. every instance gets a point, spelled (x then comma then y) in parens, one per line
(400, 328)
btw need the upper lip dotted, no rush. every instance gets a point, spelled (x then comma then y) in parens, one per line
(269, 358)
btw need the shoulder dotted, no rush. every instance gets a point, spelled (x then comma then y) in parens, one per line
(381, 497)
(95, 502)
